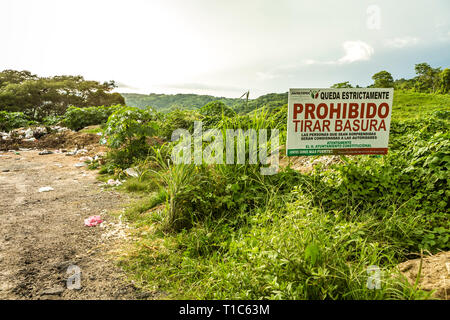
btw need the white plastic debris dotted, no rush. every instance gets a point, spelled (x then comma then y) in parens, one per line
(84, 159)
(113, 182)
(46, 189)
(132, 172)
(82, 151)
(5, 135)
(29, 134)
(79, 164)
(45, 152)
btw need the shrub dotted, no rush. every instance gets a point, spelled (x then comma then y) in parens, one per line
(13, 120)
(178, 119)
(78, 118)
(126, 132)
(215, 111)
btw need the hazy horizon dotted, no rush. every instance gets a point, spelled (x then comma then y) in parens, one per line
(223, 49)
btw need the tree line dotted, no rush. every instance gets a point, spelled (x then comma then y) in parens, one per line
(427, 80)
(40, 97)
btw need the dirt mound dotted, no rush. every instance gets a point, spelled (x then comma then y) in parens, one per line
(68, 139)
(56, 140)
(434, 275)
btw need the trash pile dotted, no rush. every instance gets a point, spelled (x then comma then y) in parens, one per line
(30, 134)
(51, 137)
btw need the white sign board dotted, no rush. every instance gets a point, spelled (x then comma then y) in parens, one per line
(338, 121)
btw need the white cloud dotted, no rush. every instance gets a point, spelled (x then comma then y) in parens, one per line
(401, 42)
(354, 51)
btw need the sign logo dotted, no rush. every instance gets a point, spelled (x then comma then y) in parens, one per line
(314, 93)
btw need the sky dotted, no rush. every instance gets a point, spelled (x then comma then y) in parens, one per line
(226, 47)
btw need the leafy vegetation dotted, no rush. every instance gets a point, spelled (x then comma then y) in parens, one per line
(13, 120)
(167, 103)
(38, 97)
(126, 131)
(226, 232)
(78, 118)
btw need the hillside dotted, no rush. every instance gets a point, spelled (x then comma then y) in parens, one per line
(407, 104)
(165, 102)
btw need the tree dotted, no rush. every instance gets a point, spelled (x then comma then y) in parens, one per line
(383, 79)
(21, 91)
(404, 84)
(427, 79)
(13, 76)
(345, 84)
(445, 81)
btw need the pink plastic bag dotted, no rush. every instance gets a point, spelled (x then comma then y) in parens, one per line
(92, 221)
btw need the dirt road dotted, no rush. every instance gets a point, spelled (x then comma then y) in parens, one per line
(43, 234)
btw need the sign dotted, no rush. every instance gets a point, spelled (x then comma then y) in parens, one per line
(338, 121)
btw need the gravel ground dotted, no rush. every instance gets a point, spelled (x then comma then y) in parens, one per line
(43, 233)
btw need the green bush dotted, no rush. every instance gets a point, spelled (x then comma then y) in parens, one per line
(214, 112)
(13, 120)
(178, 119)
(78, 118)
(53, 120)
(415, 176)
(126, 132)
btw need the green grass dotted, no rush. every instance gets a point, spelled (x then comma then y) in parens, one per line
(299, 252)
(414, 105)
(92, 129)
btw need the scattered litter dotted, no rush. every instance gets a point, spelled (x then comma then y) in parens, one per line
(57, 290)
(5, 136)
(113, 182)
(79, 164)
(5, 170)
(45, 152)
(82, 151)
(29, 134)
(24, 149)
(114, 230)
(88, 159)
(132, 172)
(46, 189)
(93, 221)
